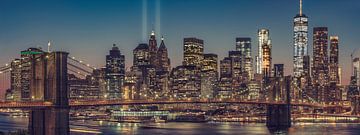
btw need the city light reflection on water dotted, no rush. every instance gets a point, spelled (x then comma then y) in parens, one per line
(102, 127)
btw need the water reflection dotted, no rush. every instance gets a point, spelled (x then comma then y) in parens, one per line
(82, 127)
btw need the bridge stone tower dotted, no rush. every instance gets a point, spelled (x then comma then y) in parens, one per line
(49, 84)
(279, 115)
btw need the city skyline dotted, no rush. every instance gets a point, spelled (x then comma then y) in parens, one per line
(154, 63)
(91, 36)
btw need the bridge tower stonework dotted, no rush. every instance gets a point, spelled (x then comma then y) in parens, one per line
(49, 84)
(279, 115)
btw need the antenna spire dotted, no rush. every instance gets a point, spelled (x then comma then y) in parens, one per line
(300, 8)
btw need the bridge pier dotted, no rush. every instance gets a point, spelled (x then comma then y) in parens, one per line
(49, 121)
(52, 87)
(279, 115)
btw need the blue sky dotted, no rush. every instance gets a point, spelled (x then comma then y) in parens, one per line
(88, 28)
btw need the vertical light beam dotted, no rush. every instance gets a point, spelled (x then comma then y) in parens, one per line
(144, 20)
(158, 18)
(300, 12)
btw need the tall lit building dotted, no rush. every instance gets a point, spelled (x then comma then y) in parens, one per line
(243, 44)
(279, 70)
(114, 73)
(15, 80)
(334, 59)
(320, 63)
(193, 51)
(225, 82)
(209, 75)
(300, 41)
(163, 59)
(356, 70)
(162, 71)
(231, 78)
(141, 56)
(153, 57)
(266, 60)
(334, 76)
(264, 42)
(27, 67)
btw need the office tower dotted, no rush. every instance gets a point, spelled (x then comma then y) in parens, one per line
(99, 79)
(243, 44)
(209, 75)
(320, 63)
(266, 60)
(141, 56)
(334, 59)
(147, 81)
(193, 51)
(186, 82)
(356, 71)
(279, 70)
(334, 78)
(114, 73)
(225, 82)
(163, 59)
(162, 71)
(231, 78)
(27, 67)
(300, 42)
(15, 80)
(263, 64)
(153, 57)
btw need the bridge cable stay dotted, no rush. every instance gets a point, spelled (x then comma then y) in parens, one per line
(82, 63)
(77, 73)
(79, 68)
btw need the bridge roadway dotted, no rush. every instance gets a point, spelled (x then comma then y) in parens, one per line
(88, 103)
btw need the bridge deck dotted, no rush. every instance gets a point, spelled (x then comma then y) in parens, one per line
(86, 103)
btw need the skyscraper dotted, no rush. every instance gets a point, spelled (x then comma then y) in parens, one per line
(334, 60)
(300, 41)
(193, 51)
(141, 56)
(15, 80)
(153, 57)
(264, 42)
(114, 73)
(27, 71)
(278, 70)
(356, 70)
(225, 82)
(209, 75)
(163, 59)
(243, 44)
(266, 60)
(320, 63)
(162, 71)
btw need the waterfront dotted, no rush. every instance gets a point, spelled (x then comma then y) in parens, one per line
(100, 127)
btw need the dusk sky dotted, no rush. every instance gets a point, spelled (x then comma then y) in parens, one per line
(88, 28)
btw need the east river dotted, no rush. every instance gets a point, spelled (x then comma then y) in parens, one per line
(100, 127)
